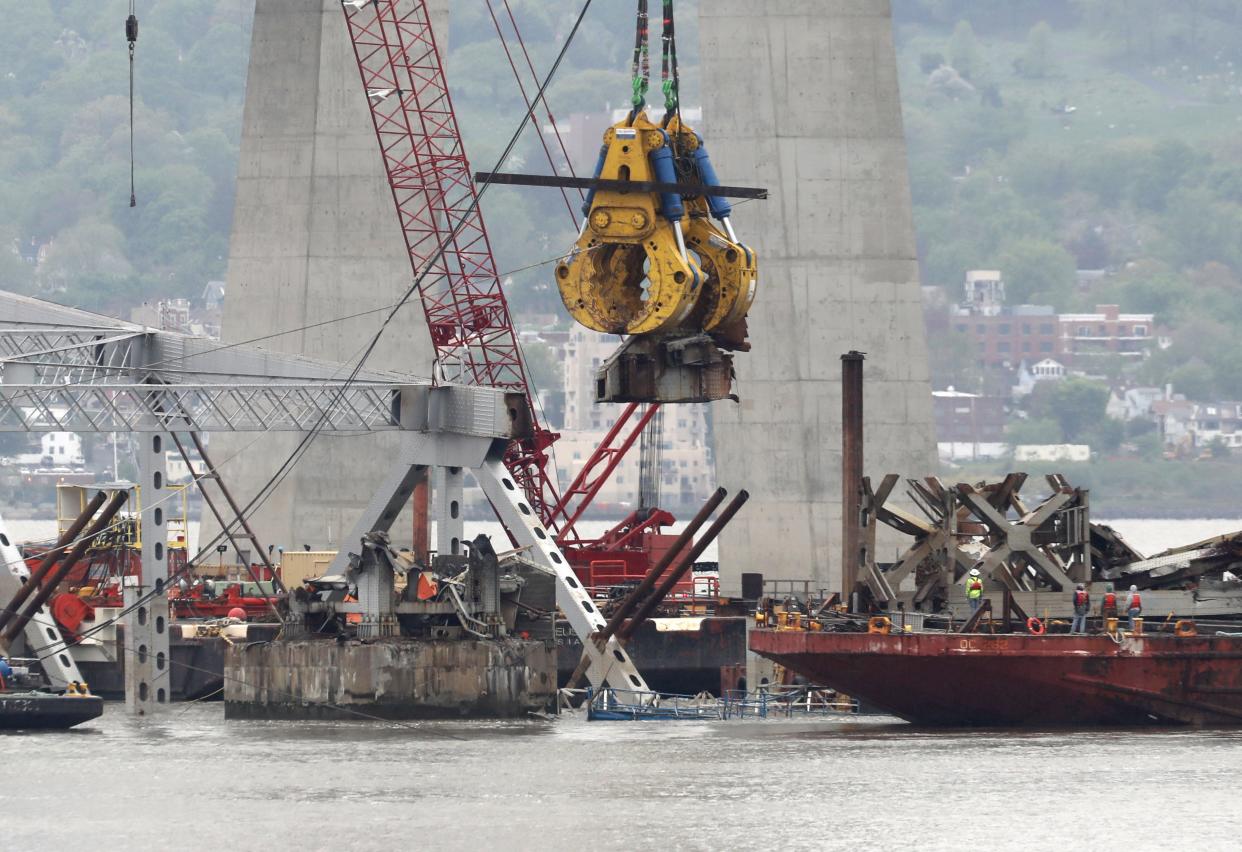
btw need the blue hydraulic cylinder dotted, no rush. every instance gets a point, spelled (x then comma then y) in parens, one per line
(670, 202)
(720, 207)
(599, 170)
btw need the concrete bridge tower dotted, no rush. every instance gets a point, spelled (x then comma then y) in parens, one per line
(801, 96)
(315, 237)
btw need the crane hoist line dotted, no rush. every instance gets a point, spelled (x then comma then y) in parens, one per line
(650, 263)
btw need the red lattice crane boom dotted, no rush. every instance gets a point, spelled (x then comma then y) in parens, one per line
(467, 313)
(437, 205)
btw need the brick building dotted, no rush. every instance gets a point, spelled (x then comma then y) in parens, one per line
(1006, 336)
(968, 417)
(1022, 333)
(1107, 331)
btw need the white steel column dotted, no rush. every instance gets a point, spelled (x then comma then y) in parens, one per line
(611, 665)
(147, 659)
(446, 492)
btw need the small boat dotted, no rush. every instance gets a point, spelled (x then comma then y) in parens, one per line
(24, 705)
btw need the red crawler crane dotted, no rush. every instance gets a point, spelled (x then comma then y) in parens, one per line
(467, 314)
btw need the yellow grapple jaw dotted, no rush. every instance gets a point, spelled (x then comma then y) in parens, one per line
(731, 267)
(626, 273)
(660, 270)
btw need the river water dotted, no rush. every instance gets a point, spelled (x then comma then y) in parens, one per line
(190, 780)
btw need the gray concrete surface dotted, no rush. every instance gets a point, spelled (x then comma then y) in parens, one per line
(315, 236)
(390, 678)
(801, 96)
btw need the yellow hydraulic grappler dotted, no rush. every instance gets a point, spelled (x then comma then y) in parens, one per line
(635, 268)
(650, 263)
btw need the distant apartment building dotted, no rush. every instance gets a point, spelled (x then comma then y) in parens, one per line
(1005, 336)
(1022, 333)
(1107, 331)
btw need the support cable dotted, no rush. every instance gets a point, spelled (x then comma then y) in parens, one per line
(573, 217)
(640, 67)
(131, 36)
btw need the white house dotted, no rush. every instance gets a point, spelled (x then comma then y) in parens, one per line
(62, 449)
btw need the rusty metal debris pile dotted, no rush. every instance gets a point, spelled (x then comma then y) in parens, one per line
(1025, 546)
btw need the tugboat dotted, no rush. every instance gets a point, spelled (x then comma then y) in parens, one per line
(26, 704)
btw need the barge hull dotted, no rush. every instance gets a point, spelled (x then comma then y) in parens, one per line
(1023, 681)
(45, 711)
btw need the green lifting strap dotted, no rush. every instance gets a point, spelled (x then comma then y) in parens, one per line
(670, 80)
(641, 66)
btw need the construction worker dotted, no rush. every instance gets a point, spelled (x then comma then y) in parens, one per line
(1108, 609)
(974, 589)
(1082, 608)
(1134, 605)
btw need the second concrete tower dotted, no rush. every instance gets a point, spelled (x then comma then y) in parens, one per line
(801, 96)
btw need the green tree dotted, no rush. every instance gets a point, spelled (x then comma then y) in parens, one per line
(1044, 430)
(1036, 272)
(547, 372)
(930, 61)
(1037, 59)
(964, 50)
(1105, 436)
(1076, 404)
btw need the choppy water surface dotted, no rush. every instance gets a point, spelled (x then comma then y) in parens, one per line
(191, 780)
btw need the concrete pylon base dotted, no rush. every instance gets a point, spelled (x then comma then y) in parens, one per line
(389, 678)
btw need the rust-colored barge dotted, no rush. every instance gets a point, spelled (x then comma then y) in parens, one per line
(1021, 680)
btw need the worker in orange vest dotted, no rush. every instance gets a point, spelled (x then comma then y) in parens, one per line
(1134, 606)
(1082, 608)
(1108, 609)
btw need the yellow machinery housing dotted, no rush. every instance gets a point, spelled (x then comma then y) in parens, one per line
(653, 263)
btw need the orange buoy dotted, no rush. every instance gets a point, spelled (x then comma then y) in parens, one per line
(1034, 626)
(238, 613)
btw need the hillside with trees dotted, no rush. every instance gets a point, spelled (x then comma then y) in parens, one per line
(1045, 136)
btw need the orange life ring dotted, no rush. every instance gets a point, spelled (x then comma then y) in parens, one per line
(1034, 626)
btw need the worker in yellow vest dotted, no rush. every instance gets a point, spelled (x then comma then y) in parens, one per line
(974, 589)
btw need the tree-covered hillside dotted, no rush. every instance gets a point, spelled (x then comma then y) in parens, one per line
(64, 164)
(1044, 135)
(1090, 134)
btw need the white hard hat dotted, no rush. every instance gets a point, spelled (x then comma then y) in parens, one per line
(974, 572)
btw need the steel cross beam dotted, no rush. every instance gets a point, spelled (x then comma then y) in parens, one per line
(1014, 538)
(283, 407)
(62, 369)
